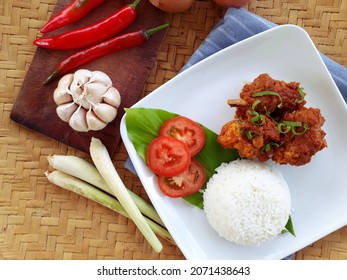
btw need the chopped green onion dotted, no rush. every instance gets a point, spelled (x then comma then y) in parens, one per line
(306, 127)
(302, 94)
(279, 128)
(257, 119)
(250, 135)
(267, 112)
(253, 113)
(264, 93)
(262, 120)
(255, 103)
(103, 163)
(290, 126)
(267, 147)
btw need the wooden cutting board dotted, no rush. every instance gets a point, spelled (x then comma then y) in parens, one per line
(128, 69)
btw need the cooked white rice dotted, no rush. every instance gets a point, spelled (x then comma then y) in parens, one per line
(247, 202)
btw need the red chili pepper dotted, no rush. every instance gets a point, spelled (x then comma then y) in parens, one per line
(92, 34)
(92, 53)
(76, 10)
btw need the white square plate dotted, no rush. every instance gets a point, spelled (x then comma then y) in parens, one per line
(318, 189)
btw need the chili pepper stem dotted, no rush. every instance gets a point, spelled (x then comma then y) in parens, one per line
(134, 5)
(51, 77)
(150, 32)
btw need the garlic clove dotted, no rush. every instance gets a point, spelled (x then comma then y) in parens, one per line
(78, 120)
(101, 78)
(94, 123)
(105, 112)
(80, 77)
(61, 95)
(65, 111)
(112, 97)
(96, 87)
(66, 81)
(95, 92)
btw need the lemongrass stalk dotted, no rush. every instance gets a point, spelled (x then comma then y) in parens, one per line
(85, 189)
(86, 171)
(161, 231)
(103, 163)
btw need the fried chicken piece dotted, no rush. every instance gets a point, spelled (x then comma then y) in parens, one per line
(231, 136)
(248, 138)
(299, 149)
(273, 122)
(289, 96)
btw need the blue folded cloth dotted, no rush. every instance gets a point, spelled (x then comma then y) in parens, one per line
(239, 24)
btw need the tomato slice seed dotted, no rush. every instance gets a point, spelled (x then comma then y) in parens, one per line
(188, 182)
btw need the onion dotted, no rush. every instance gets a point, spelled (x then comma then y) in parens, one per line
(172, 6)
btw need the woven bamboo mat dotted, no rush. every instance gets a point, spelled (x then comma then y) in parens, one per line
(41, 221)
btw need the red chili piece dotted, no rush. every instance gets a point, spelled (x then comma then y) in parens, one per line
(76, 10)
(92, 34)
(112, 45)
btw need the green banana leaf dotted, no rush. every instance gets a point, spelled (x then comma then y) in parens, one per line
(143, 125)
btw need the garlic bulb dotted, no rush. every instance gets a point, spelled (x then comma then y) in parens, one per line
(86, 100)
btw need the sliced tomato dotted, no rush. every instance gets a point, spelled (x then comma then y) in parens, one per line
(186, 130)
(189, 182)
(167, 156)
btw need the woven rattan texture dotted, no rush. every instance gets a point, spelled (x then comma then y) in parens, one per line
(41, 221)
